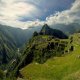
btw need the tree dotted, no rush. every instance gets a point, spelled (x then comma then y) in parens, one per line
(35, 34)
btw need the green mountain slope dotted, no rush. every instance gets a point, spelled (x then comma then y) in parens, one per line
(10, 40)
(16, 35)
(66, 67)
(7, 48)
(46, 30)
(44, 46)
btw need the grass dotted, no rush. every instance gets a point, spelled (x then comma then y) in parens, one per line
(66, 67)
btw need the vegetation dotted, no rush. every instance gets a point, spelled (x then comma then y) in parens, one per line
(1, 75)
(16, 35)
(7, 48)
(46, 30)
(45, 56)
(35, 34)
(11, 39)
(66, 67)
(42, 47)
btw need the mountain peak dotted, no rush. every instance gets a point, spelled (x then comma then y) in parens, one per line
(45, 29)
(45, 26)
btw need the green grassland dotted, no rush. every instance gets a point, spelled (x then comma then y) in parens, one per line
(66, 67)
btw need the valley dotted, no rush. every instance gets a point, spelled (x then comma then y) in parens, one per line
(39, 39)
(47, 55)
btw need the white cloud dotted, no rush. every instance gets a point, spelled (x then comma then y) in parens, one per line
(66, 17)
(11, 10)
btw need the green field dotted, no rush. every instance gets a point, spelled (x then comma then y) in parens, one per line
(66, 67)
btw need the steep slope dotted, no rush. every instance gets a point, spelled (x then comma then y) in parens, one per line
(44, 46)
(48, 43)
(46, 30)
(17, 35)
(7, 48)
(66, 67)
(11, 39)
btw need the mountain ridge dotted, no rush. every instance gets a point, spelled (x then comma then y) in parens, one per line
(46, 30)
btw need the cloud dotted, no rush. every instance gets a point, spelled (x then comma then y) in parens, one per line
(11, 11)
(66, 17)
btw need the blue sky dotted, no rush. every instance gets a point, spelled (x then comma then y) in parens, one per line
(34, 13)
(46, 8)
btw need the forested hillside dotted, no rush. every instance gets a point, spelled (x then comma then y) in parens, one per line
(44, 45)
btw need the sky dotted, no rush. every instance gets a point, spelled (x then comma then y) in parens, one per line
(33, 13)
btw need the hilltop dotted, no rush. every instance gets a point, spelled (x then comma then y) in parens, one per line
(44, 45)
(66, 67)
(41, 48)
(46, 30)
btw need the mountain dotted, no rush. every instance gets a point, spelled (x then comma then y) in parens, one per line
(10, 40)
(43, 46)
(68, 28)
(46, 30)
(66, 67)
(46, 44)
(7, 48)
(17, 35)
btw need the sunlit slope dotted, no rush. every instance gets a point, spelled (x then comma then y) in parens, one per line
(66, 67)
